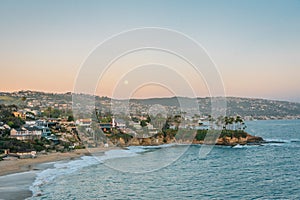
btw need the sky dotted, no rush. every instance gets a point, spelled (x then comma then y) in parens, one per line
(255, 44)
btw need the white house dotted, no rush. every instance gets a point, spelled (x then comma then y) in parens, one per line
(83, 122)
(28, 133)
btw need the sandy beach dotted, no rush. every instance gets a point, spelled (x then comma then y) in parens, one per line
(16, 176)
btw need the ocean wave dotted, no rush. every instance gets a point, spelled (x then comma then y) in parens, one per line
(276, 140)
(59, 168)
(118, 154)
(281, 142)
(62, 167)
(238, 146)
(137, 149)
(295, 140)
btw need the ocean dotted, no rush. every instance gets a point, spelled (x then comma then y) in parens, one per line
(268, 171)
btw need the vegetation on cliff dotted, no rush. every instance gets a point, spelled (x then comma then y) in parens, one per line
(222, 131)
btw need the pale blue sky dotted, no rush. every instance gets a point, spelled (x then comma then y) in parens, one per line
(255, 43)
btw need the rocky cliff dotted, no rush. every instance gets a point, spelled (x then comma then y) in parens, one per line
(160, 139)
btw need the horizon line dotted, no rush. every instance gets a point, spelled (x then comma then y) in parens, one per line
(154, 97)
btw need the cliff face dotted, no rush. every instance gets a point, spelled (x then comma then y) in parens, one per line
(151, 141)
(159, 140)
(228, 141)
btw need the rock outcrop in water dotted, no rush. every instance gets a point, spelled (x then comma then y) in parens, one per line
(249, 139)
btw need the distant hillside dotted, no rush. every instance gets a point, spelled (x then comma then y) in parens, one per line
(257, 108)
(5, 99)
(235, 106)
(261, 107)
(172, 101)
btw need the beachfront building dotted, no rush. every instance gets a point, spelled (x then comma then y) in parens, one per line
(29, 133)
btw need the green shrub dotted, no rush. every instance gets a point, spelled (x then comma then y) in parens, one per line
(201, 134)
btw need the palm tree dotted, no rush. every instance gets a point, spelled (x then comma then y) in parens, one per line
(244, 126)
(239, 121)
(226, 121)
(231, 122)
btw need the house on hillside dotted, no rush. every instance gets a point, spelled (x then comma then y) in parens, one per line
(105, 127)
(120, 123)
(20, 114)
(45, 131)
(28, 133)
(84, 122)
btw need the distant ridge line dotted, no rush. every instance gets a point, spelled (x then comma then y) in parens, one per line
(140, 99)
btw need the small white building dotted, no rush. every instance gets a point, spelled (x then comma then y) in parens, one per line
(84, 122)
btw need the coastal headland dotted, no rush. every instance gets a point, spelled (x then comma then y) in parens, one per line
(23, 165)
(225, 138)
(22, 172)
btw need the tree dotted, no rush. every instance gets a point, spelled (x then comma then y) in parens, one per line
(70, 118)
(226, 121)
(56, 113)
(239, 121)
(148, 119)
(177, 121)
(106, 119)
(143, 123)
(8, 118)
(231, 122)
(165, 128)
(244, 126)
(10, 124)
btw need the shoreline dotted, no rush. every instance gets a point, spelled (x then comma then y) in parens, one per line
(16, 176)
(29, 164)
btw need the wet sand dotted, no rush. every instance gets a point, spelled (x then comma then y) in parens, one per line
(16, 186)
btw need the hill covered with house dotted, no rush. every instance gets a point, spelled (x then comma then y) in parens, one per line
(45, 122)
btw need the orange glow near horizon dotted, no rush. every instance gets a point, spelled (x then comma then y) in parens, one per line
(44, 44)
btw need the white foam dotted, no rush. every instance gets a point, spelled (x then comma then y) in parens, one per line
(238, 146)
(136, 149)
(117, 154)
(280, 142)
(274, 140)
(60, 168)
(160, 146)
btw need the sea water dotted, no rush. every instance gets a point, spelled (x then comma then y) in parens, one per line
(268, 171)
